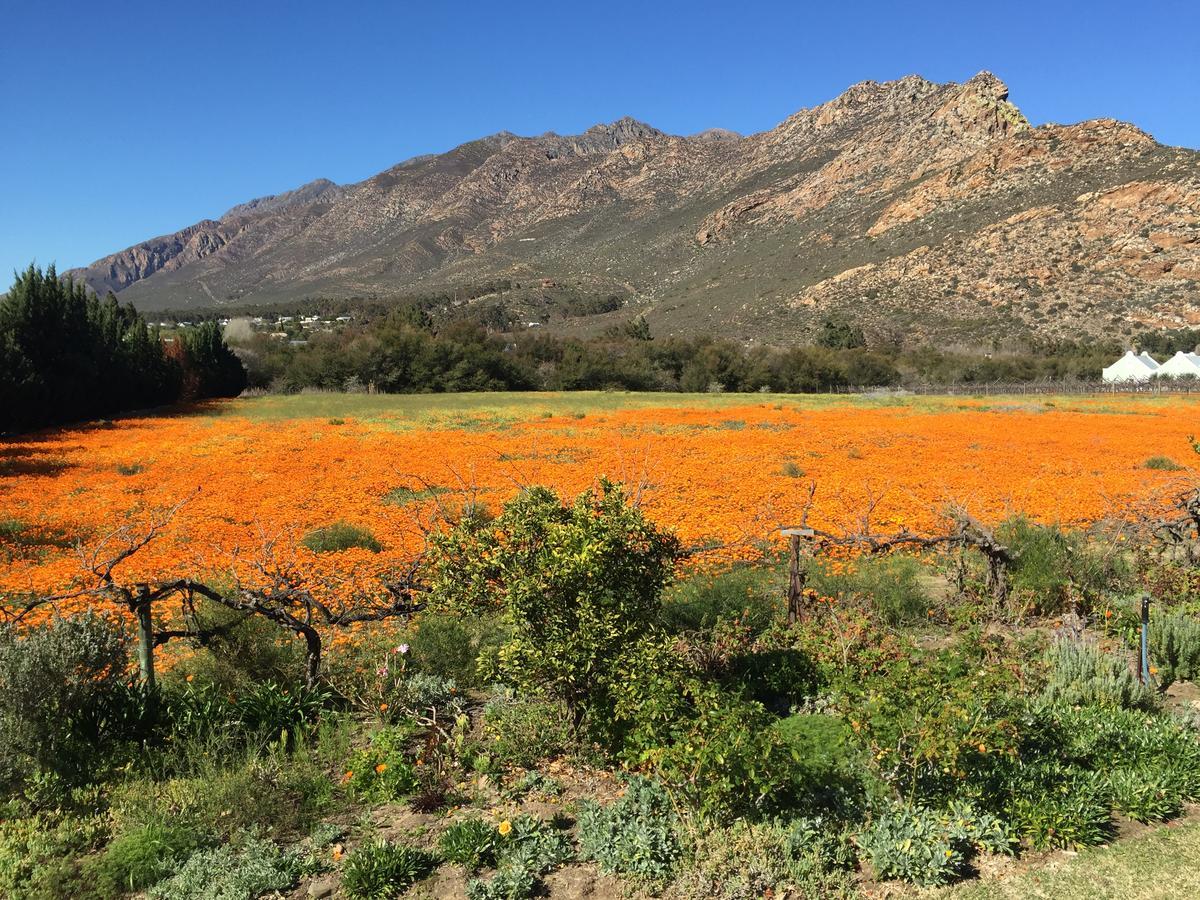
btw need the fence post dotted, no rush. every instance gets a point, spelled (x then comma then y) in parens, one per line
(1146, 639)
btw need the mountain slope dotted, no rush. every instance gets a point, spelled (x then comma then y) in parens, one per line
(919, 209)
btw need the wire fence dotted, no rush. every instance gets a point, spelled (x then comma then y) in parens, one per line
(1023, 388)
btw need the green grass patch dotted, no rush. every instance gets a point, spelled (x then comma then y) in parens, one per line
(1162, 464)
(340, 536)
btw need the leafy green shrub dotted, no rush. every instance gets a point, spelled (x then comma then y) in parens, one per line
(744, 592)
(638, 834)
(578, 585)
(509, 883)
(340, 536)
(137, 859)
(1162, 464)
(380, 871)
(250, 869)
(259, 714)
(778, 677)
(34, 849)
(449, 646)
(242, 652)
(524, 731)
(472, 843)
(1175, 648)
(382, 772)
(526, 848)
(1052, 567)
(1057, 807)
(746, 861)
(892, 585)
(1083, 675)
(53, 679)
(1145, 794)
(930, 847)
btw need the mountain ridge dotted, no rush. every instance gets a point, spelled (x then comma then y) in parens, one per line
(920, 210)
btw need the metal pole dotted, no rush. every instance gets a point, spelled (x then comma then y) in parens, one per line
(1145, 638)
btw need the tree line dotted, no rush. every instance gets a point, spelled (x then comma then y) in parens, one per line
(68, 355)
(407, 352)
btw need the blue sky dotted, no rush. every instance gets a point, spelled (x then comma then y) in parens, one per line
(122, 121)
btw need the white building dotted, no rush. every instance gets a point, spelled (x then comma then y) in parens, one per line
(1180, 365)
(1130, 367)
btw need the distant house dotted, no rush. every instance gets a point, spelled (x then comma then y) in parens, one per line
(1181, 365)
(1131, 367)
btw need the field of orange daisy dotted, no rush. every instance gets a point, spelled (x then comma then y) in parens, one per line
(726, 471)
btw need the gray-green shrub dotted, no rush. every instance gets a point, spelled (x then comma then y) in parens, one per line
(249, 869)
(1175, 648)
(1081, 674)
(637, 835)
(53, 679)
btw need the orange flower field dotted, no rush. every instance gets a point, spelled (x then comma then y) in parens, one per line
(726, 472)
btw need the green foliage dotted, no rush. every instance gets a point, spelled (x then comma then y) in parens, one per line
(1145, 793)
(636, 835)
(259, 714)
(1174, 643)
(243, 651)
(138, 858)
(523, 731)
(472, 843)
(450, 646)
(382, 772)
(35, 850)
(930, 847)
(251, 868)
(66, 355)
(578, 584)
(839, 335)
(1058, 807)
(746, 861)
(211, 369)
(891, 584)
(55, 683)
(340, 536)
(1083, 675)
(1053, 567)
(531, 848)
(380, 871)
(1162, 464)
(746, 593)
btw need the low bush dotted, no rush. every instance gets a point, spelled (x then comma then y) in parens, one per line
(930, 847)
(1162, 464)
(1082, 674)
(746, 861)
(636, 835)
(138, 858)
(449, 646)
(1145, 794)
(382, 772)
(746, 593)
(527, 847)
(1058, 807)
(53, 679)
(1052, 568)
(1174, 641)
(37, 852)
(524, 731)
(250, 869)
(890, 584)
(380, 871)
(472, 843)
(340, 536)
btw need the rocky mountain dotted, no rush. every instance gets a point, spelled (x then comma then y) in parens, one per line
(918, 210)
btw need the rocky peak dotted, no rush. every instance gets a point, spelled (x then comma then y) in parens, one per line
(320, 189)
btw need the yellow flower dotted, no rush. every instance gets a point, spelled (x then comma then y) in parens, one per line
(505, 828)
(379, 768)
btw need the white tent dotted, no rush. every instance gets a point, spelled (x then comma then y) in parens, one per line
(1130, 367)
(1181, 364)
